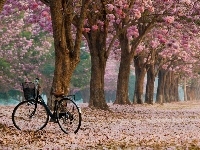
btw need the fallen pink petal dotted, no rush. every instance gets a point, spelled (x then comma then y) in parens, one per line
(169, 126)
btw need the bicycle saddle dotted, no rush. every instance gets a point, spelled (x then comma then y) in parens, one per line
(58, 94)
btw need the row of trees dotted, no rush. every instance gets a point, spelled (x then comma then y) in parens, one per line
(160, 37)
(33, 56)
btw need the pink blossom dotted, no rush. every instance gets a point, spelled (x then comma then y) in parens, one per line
(137, 14)
(118, 11)
(86, 29)
(154, 44)
(169, 19)
(95, 27)
(118, 21)
(132, 31)
(110, 17)
(101, 23)
(186, 1)
(45, 14)
(110, 7)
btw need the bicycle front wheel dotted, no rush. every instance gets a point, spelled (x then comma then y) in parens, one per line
(27, 117)
(68, 115)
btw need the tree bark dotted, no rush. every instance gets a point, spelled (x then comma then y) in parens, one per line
(124, 71)
(161, 86)
(97, 48)
(150, 84)
(140, 72)
(67, 49)
(171, 87)
(174, 96)
(184, 89)
(167, 87)
(2, 3)
(192, 90)
(96, 39)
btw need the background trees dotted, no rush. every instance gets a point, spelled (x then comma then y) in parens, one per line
(160, 38)
(22, 52)
(58, 18)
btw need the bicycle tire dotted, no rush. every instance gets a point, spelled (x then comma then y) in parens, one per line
(68, 116)
(24, 119)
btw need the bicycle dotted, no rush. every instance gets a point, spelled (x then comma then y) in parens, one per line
(33, 113)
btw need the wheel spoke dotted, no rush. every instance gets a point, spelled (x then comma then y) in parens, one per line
(69, 117)
(25, 117)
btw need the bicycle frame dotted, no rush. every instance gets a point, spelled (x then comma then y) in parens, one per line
(39, 97)
(65, 112)
(46, 107)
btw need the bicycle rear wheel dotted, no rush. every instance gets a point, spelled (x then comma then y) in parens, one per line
(27, 117)
(68, 116)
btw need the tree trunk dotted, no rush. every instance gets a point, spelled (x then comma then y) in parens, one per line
(161, 86)
(176, 89)
(97, 95)
(96, 39)
(171, 87)
(167, 87)
(150, 84)
(67, 49)
(140, 72)
(122, 82)
(197, 91)
(184, 89)
(97, 48)
(192, 90)
(124, 71)
(2, 3)
(167, 90)
(174, 96)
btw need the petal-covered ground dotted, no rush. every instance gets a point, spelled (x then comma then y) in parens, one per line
(169, 126)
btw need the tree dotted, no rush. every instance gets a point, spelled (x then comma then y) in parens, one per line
(67, 52)
(22, 53)
(148, 15)
(2, 3)
(97, 35)
(66, 43)
(130, 28)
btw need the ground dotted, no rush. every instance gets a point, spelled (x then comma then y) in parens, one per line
(170, 126)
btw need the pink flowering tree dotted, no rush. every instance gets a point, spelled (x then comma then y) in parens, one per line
(22, 52)
(66, 43)
(100, 36)
(126, 18)
(183, 62)
(169, 52)
(146, 15)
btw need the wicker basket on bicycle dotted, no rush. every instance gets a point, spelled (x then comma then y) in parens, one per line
(29, 90)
